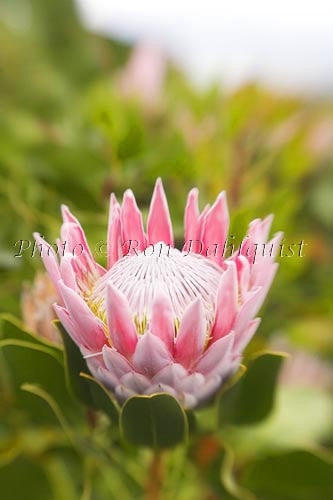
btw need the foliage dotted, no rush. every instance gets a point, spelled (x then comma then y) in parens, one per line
(68, 135)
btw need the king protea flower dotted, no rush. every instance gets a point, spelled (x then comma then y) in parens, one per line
(159, 319)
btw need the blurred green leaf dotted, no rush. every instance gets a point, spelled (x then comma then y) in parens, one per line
(294, 475)
(23, 479)
(74, 365)
(251, 399)
(41, 393)
(228, 478)
(191, 420)
(60, 476)
(36, 364)
(84, 387)
(102, 399)
(321, 200)
(302, 417)
(156, 421)
(12, 328)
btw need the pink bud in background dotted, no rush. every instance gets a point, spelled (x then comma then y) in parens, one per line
(143, 76)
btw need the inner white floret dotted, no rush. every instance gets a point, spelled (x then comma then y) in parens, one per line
(182, 276)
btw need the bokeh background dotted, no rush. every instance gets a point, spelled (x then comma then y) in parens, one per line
(95, 99)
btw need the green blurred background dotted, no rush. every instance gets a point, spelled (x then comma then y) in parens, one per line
(73, 129)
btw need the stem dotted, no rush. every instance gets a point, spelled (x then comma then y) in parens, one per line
(155, 476)
(91, 418)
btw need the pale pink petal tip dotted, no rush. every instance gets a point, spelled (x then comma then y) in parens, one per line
(116, 362)
(89, 326)
(226, 303)
(191, 216)
(192, 334)
(243, 338)
(162, 321)
(215, 359)
(159, 226)
(121, 327)
(131, 223)
(50, 261)
(216, 228)
(114, 240)
(67, 215)
(151, 355)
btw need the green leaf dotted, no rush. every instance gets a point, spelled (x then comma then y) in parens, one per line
(74, 365)
(81, 384)
(295, 475)
(156, 421)
(191, 420)
(23, 478)
(12, 328)
(251, 399)
(228, 478)
(27, 362)
(41, 393)
(61, 478)
(234, 379)
(301, 418)
(101, 398)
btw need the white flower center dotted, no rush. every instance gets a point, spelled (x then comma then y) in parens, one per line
(182, 276)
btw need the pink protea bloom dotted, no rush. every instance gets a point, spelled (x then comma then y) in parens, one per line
(159, 319)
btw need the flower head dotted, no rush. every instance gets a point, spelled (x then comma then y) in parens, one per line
(159, 319)
(36, 306)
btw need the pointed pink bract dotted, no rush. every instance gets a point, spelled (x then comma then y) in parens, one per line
(114, 243)
(159, 226)
(151, 355)
(216, 227)
(90, 328)
(50, 261)
(162, 321)
(120, 323)
(226, 302)
(132, 226)
(191, 217)
(192, 335)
